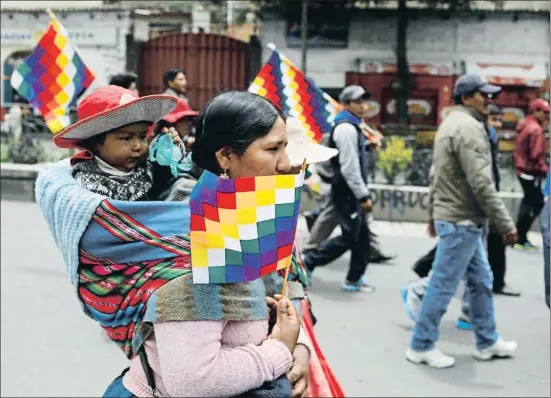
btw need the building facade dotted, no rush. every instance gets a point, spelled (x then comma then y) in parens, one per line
(459, 42)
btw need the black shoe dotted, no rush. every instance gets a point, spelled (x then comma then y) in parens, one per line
(380, 258)
(376, 257)
(507, 291)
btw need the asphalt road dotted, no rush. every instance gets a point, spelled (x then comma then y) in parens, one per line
(49, 348)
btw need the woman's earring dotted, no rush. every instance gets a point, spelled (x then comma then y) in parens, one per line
(225, 175)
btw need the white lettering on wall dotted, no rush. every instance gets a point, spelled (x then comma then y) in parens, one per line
(106, 36)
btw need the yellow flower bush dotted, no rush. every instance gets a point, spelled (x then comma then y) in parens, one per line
(394, 158)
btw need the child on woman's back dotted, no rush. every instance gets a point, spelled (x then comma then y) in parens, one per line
(113, 130)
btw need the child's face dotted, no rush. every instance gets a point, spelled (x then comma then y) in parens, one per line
(183, 126)
(126, 147)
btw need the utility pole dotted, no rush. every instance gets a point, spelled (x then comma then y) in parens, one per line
(304, 34)
(229, 13)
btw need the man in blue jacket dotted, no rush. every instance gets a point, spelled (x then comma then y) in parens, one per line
(349, 192)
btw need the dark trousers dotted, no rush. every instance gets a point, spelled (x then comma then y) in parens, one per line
(530, 207)
(544, 224)
(354, 236)
(496, 258)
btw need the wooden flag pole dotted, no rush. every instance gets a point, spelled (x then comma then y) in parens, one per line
(284, 288)
(286, 278)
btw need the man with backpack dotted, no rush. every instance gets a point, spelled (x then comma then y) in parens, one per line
(347, 174)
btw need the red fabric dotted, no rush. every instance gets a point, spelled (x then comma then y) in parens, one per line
(107, 98)
(539, 104)
(530, 148)
(322, 381)
(81, 157)
(181, 111)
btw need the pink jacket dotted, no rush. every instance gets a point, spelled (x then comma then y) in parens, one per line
(209, 358)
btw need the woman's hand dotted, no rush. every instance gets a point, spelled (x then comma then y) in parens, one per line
(287, 326)
(298, 375)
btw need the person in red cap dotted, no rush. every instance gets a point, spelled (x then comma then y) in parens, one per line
(112, 131)
(529, 155)
(181, 119)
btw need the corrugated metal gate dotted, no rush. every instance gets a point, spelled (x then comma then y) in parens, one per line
(211, 62)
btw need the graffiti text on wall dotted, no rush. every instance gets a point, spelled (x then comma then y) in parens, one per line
(400, 201)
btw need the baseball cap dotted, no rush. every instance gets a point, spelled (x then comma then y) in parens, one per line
(539, 104)
(469, 83)
(353, 93)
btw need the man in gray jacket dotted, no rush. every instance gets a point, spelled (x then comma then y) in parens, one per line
(347, 175)
(464, 197)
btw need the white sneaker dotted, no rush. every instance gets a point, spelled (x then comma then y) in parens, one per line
(433, 358)
(500, 349)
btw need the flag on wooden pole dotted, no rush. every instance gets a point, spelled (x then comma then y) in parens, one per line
(287, 87)
(53, 76)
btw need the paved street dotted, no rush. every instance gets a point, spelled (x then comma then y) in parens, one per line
(49, 348)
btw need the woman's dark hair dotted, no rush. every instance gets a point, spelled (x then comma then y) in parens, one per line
(233, 119)
(170, 75)
(123, 80)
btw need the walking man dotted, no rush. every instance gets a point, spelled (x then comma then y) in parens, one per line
(464, 197)
(349, 192)
(322, 221)
(531, 168)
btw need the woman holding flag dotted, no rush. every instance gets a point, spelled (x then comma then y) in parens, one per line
(132, 266)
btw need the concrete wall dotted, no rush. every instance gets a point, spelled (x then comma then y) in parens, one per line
(407, 203)
(496, 39)
(390, 203)
(17, 181)
(410, 204)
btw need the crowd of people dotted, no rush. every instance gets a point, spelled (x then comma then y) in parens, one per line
(245, 347)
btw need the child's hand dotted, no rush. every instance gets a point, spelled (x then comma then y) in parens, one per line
(175, 136)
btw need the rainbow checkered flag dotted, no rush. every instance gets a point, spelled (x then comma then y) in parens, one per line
(242, 229)
(295, 94)
(53, 76)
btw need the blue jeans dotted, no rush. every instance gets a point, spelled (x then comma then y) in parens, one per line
(460, 254)
(544, 224)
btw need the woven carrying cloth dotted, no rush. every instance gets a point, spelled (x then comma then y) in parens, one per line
(131, 262)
